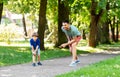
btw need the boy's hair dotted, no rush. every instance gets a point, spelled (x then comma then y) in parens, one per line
(65, 21)
(35, 34)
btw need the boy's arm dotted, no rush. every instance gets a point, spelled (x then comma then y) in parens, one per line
(37, 48)
(33, 49)
(38, 44)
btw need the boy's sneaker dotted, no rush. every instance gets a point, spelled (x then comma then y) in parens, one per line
(39, 63)
(77, 61)
(34, 64)
(72, 64)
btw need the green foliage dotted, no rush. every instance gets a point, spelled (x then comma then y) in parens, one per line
(80, 15)
(23, 6)
(3, 1)
(20, 6)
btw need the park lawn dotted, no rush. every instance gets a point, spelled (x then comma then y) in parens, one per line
(113, 45)
(107, 68)
(10, 55)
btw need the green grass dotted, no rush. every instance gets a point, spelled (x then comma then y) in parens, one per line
(109, 46)
(107, 68)
(10, 55)
(14, 55)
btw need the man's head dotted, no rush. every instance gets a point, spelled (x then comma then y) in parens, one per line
(66, 25)
(35, 36)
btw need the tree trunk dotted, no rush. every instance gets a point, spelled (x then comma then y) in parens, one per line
(42, 22)
(63, 14)
(1, 9)
(93, 32)
(117, 32)
(105, 33)
(24, 25)
(84, 36)
(113, 29)
(93, 24)
(105, 29)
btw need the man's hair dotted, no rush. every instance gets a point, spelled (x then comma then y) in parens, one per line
(65, 21)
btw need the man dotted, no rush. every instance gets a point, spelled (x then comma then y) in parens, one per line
(73, 36)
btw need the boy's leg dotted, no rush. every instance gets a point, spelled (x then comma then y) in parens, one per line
(38, 52)
(34, 59)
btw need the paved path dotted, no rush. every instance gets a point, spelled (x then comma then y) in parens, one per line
(50, 68)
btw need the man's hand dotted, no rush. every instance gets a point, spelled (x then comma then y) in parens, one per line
(63, 45)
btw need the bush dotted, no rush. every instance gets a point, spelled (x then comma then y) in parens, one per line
(8, 32)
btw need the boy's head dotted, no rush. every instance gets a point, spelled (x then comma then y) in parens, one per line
(66, 25)
(34, 35)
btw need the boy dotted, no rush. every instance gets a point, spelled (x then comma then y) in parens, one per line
(73, 36)
(35, 46)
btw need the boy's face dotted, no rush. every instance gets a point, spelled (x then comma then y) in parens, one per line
(35, 38)
(65, 26)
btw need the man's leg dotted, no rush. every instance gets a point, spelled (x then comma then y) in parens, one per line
(74, 53)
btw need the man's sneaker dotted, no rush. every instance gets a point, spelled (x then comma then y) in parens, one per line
(77, 61)
(34, 64)
(72, 64)
(39, 63)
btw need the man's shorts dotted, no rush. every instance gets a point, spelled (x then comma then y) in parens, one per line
(78, 39)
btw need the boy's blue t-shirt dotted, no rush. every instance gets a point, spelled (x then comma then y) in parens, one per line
(35, 43)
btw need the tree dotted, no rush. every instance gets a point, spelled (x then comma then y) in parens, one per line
(1, 9)
(103, 28)
(114, 17)
(42, 22)
(2, 2)
(63, 14)
(24, 25)
(96, 13)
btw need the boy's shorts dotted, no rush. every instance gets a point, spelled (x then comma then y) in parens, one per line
(38, 52)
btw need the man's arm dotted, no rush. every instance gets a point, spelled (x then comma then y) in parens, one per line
(69, 42)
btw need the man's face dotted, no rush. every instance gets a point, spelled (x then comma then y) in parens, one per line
(65, 26)
(35, 38)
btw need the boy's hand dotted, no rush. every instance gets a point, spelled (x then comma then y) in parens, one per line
(34, 53)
